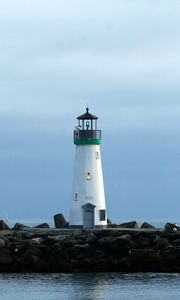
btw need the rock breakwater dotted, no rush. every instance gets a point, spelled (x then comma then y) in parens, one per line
(103, 250)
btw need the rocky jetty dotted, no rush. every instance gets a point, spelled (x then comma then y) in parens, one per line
(24, 249)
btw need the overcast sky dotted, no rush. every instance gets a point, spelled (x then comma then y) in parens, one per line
(122, 58)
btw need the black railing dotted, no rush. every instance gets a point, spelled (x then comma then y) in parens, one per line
(87, 134)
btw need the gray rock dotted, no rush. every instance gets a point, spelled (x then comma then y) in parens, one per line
(3, 225)
(57, 238)
(125, 236)
(132, 224)
(161, 242)
(91, 238)
(77, 249)
(155, 237)
(19, 226)
(79, 241)
(5, 256)
(143, 241)
(147, 225)
(35, 259)
(60, 221)
(176, 242)
(169, 227)
(82, 247)
(37, 241)
(121, 245)
(105, 241)
(2, 243)
(122, 240)
(81, 235)
(168, 249)
(69, 242)
(43, 225)
(24, 234)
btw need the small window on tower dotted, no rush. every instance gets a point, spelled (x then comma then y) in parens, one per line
(102, 214)
(88, 176)
(97, 155)
(75, 196)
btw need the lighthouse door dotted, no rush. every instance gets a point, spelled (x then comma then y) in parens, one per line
(88, 215)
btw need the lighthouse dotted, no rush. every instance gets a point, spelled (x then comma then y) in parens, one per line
(88, 207)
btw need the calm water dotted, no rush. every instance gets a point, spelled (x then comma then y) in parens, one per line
(89, 286)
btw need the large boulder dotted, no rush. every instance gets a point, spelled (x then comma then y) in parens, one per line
(132, 224)
(122, 244)
(19, 226)
(60, 221)
(3, 225)
(91, 238)
(105, 242)
(169, 227)
(160, 242)
(43, 225)
(147, 226)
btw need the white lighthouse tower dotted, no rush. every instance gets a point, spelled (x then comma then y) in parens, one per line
(88, 208)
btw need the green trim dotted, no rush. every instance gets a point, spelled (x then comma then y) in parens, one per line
(87, 142)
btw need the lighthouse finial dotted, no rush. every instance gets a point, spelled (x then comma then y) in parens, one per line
(87, 109)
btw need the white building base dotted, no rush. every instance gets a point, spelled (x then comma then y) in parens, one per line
(88, 209)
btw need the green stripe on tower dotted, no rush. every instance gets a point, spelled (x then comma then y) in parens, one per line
(87, 141)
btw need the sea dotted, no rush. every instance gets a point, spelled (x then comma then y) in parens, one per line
(88, 286)
(100, 286)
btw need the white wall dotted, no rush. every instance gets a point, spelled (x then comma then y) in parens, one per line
(88, 191)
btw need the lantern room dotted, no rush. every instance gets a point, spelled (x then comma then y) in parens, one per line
(86, 132)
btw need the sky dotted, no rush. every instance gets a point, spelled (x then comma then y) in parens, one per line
(119, 57)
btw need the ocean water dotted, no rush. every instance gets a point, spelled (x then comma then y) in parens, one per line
(102, 286)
